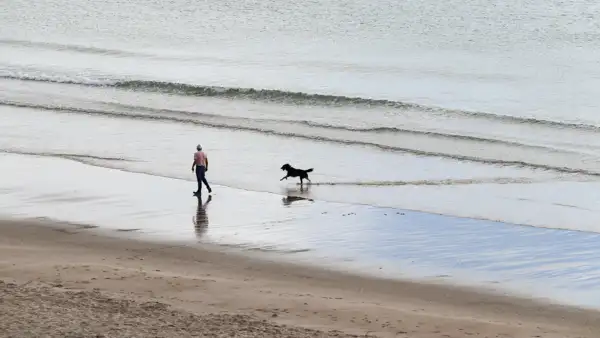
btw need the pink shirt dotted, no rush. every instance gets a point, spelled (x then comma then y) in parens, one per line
(200, 158)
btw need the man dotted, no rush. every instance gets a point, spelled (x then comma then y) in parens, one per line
(201, 165)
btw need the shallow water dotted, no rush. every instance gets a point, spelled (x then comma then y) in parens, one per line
(353, 174)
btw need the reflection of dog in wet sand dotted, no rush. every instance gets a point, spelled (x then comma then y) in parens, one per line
(293, 172)
(288, 200)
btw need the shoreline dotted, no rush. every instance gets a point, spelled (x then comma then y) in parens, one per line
(203, 281)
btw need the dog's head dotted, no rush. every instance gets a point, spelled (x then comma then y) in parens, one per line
(286, 167)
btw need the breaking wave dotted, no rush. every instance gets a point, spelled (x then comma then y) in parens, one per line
(269, 95)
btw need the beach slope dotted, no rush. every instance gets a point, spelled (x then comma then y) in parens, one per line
(67, 280)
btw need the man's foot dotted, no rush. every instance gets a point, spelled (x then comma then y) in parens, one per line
(195, 193)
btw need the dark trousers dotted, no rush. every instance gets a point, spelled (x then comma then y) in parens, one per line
(201, 176)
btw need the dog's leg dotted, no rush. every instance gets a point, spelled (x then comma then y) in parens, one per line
(284, 177)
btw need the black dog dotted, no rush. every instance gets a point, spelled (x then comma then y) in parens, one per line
(293, 172)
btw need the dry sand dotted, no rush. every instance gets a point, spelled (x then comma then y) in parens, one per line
(65, 281)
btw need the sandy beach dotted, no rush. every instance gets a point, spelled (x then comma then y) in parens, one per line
(65, 280)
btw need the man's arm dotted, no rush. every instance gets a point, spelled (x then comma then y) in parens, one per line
(206, 163)
(194, 163)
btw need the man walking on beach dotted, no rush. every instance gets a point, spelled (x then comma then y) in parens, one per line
(201, 165)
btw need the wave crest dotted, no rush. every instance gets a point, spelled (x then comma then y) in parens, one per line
(272, 95)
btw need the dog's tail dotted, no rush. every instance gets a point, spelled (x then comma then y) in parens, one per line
(309, 170)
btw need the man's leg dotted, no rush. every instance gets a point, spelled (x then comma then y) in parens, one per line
(199, 175)
(205, 181)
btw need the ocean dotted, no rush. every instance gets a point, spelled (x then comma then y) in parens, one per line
(464, 109)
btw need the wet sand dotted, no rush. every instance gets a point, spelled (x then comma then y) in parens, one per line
(136, 288)
(531, 262)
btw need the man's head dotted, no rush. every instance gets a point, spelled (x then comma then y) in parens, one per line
(198, 147)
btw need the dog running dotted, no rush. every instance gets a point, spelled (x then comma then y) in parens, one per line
(293, 172)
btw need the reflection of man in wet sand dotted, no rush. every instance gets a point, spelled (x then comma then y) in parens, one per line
(201, 218)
